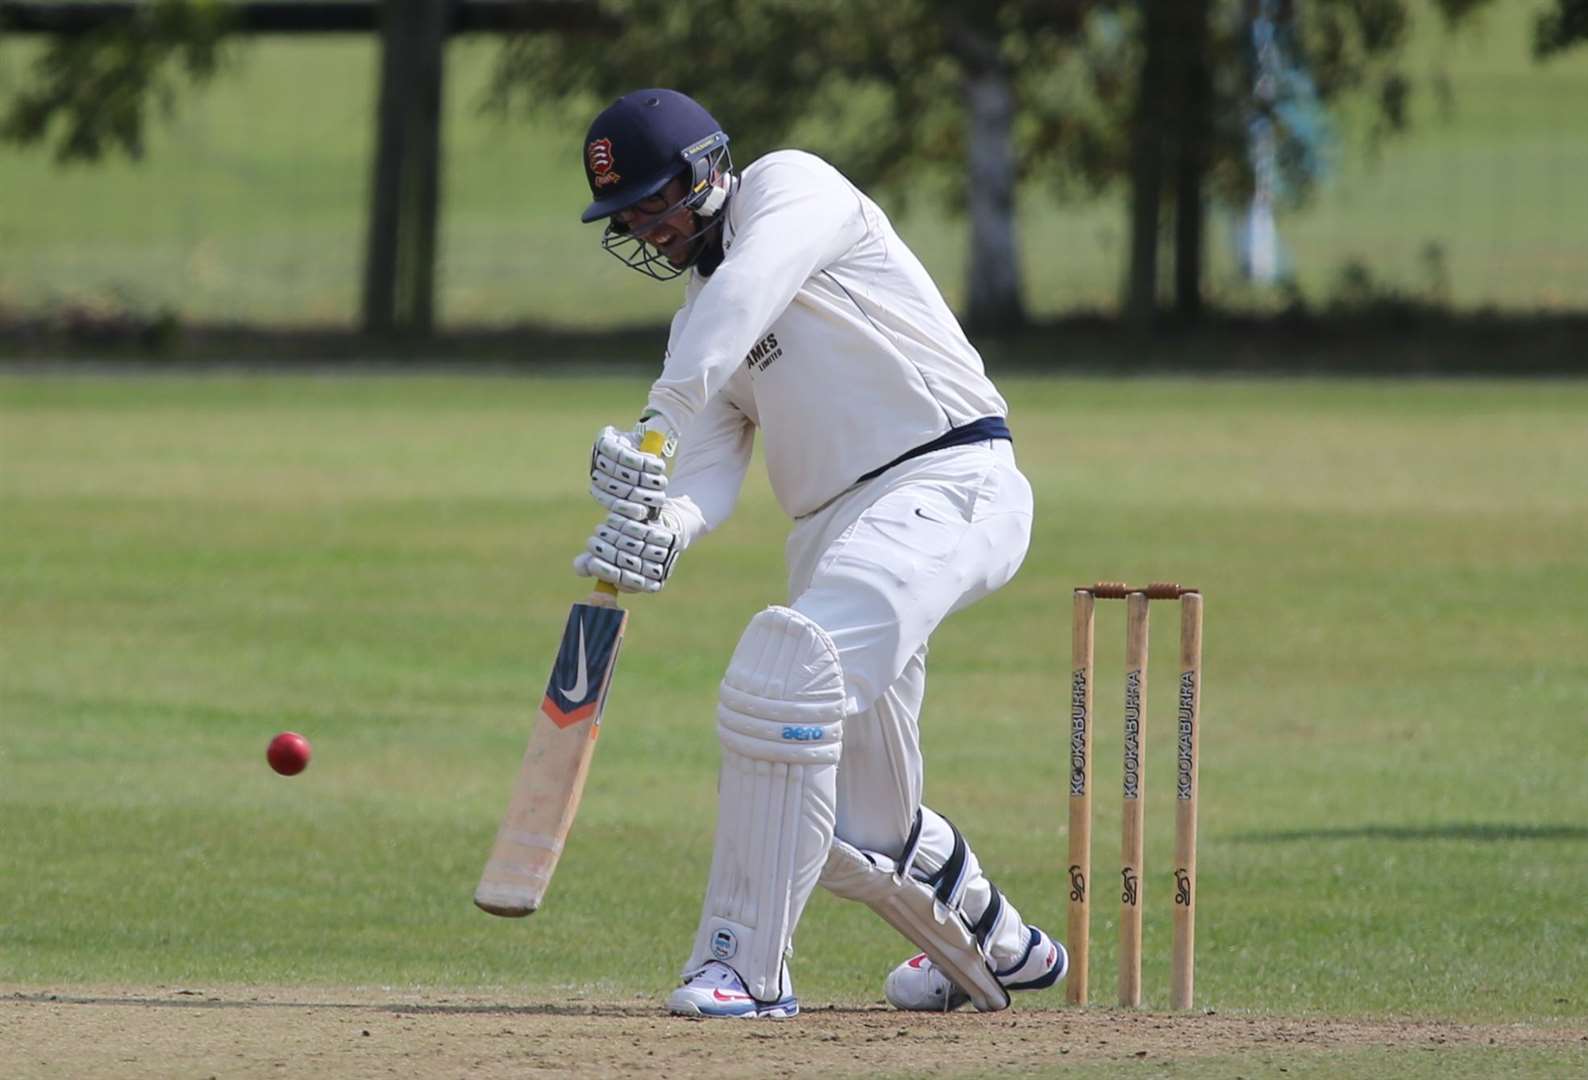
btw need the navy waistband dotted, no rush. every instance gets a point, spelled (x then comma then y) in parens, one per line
(988, 427)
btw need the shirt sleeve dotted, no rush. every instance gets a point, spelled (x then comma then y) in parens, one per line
(799, 215)
(709, 473)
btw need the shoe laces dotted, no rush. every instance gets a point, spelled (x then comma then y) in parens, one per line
(716, 974)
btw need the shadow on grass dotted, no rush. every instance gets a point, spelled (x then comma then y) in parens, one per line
(1467, 830)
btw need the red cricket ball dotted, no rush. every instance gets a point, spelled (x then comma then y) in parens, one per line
(288, 753)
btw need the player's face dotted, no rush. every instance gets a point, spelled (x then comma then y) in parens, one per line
(663, 222)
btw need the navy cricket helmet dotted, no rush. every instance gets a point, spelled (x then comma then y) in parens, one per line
(634, 148)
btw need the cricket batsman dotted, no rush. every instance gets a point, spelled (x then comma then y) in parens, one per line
(807, 320)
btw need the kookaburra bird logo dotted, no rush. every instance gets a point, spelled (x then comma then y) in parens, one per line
(599, 156)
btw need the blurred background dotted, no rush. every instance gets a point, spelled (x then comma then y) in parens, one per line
(1073, 172)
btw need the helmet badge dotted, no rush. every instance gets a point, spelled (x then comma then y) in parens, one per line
(598, 155)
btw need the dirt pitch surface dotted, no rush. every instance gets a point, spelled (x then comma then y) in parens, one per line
(130, 1032)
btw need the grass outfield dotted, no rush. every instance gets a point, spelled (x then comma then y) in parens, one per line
(1394, 818)
(250, 203)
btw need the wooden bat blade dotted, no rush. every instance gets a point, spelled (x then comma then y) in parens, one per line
(551, 778)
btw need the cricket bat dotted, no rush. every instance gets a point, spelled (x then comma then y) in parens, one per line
(550, 781)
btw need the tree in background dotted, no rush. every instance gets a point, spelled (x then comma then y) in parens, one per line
(958, 98)
(1199, 92)
(970, 100)
(91, 94)
(1560, 29)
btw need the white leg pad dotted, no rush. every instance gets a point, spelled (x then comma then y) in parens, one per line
(780, 722)
(915, 909)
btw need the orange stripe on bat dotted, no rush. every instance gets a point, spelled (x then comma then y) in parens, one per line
(567, 719)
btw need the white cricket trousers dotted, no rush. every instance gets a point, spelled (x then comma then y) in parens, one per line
(879, 568)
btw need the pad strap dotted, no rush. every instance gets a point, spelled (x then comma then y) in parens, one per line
(989, 918)
(913, 908)
(912, 845)
(948, 884)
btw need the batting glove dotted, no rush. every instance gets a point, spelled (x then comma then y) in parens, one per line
(633, 555)
(625, 479)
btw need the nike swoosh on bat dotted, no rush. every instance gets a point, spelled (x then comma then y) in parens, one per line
(581, 685)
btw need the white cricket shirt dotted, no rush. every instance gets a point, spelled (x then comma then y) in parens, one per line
(820, 328)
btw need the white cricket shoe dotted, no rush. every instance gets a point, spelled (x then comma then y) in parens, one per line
(717, 990)
(918, 986)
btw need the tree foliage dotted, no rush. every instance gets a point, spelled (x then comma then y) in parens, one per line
(1560, 29)
(90, 94)
(876, 88)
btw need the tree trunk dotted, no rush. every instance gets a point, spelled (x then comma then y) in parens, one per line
(419, 269)
(380, 250)
(1192, 133)
(1153, 115)
(993, 282)
(400, 254)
